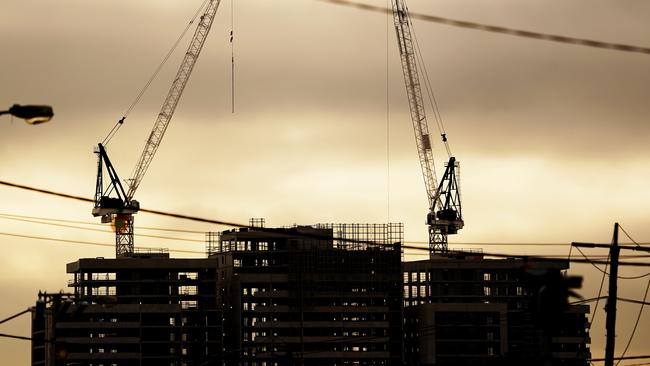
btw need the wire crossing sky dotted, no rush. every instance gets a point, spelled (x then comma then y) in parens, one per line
(501, 30)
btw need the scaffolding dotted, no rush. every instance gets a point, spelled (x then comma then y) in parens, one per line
(341, 236)
(321, 294)
(364, 236)
(212, 242)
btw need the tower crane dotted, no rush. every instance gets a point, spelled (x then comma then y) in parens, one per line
(445, 215)
(120, 210)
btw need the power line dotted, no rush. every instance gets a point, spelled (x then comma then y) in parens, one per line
(15, 337)
(102, 225)
(237, 225)
(30, 218)
(270, 231)
(607, 273)
(632, 301)
(496, 255)
(14, 316)
(203, 232)
(623, 358)
(156, 212)
(99, 230)
(636, 324)
(600, 291)
(628, 235)
(506, 243)
(501, 30)
(89, 242)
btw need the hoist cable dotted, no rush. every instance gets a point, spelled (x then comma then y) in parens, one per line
(428, 88)
(153, 76)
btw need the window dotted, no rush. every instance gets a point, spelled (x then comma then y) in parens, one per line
(188, 275)
(187, 290)
(486, 276)
(414, 277)
(487, 291)
(520, 291)
(490, 351)
(490, 336)
(189, 304)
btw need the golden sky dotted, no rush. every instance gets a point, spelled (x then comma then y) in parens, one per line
(552, 138)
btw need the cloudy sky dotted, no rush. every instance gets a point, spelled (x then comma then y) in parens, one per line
(552, 138)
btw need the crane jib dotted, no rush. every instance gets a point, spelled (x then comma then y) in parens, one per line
(444, 215)
(120, 210)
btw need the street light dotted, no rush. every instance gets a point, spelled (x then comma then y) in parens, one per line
(32, 114)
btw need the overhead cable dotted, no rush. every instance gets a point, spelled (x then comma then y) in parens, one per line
(98, 230)
(91, 243)
(98, 224)
(628, 235)
(15, 337)
(501, 30)
(273, 232)
(636, 324)
(607, 273)
(14, 316)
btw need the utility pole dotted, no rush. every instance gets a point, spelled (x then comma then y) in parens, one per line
(610, 307)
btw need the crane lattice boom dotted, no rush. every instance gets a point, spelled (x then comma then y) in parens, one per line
(120, 210)
(416, 102)
(444, 215)
(174, 95)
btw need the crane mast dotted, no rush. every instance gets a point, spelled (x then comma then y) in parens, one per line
(444, 215)
(120, 210)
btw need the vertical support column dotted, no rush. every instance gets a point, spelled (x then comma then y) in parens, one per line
(610, 325)
(123, 234)
(437, 240)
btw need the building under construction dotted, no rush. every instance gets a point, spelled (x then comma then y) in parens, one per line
(469, 310)
(140, 309)
(298, 296)
(336, 294)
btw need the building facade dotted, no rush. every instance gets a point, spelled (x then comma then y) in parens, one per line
(298, 296)
(466, 309)
(142, 309)
(336, 294)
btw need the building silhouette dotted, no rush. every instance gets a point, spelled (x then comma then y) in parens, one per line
(466, 309)
(140, 309)
(334, 294)
(296, 296)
